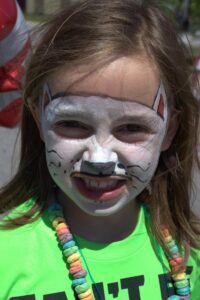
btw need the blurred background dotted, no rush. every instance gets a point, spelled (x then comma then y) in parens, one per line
(185, 14)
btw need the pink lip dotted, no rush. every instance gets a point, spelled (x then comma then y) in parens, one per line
(106, 195)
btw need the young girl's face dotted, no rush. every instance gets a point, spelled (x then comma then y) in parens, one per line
(104, 136)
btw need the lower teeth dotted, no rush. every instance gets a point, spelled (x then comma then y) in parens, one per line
(100, 187)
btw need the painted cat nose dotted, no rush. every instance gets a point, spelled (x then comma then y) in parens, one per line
(98, 169)
(100, 155)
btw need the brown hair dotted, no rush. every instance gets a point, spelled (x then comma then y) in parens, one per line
(95, 33)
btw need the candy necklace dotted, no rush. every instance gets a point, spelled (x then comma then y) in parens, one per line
(73, 258)
(180, 281)
(71, 253)
(178, 273)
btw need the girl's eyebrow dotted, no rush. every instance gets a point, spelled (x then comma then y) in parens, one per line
(71, 112)
(88, 94)
(144, 118)
(59, 95)
(78, 112)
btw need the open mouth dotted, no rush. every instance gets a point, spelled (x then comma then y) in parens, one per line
(102, 189)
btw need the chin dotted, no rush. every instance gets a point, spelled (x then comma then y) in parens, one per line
(101, 209)
(98, 203)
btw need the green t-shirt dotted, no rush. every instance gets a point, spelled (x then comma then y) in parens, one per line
(32, 266)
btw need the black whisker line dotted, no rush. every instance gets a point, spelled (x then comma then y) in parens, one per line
(137, 166)
(90, 174)
(133, 186)
(54, 151)
(143, 181)
(54, 164)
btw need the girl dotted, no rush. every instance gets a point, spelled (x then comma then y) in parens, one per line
(109, 136)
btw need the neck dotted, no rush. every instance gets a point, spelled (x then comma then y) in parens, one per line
(100, 229)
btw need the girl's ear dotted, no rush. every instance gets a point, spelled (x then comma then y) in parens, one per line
(36, 116)
(171, 131)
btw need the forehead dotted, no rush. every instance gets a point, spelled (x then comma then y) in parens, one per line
(134, 79)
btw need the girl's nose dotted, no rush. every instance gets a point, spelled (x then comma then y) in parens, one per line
(100, 155)
(99, 161)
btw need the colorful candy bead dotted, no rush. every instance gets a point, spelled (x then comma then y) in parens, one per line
(170, 243)
(185, 297)
(65, 238)
(179, 276)
(168, 239)
(69, 244)
(164, 231)
(79, 274)
(70, 251)
(76, 269)
(75, 264)
(78, 281)
(90, 297)
(62, 231)
(173, 249)
(176, 261)
(183, 291)
(86, 294)
(174, 297)
(57, 221)
(181, 283)
(61, 225)
(73, 257)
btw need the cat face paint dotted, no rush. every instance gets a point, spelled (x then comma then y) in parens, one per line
(102, 152)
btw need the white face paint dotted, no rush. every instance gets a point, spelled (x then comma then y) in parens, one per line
(102, 152)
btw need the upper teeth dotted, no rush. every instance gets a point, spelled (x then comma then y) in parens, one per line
(91, 183)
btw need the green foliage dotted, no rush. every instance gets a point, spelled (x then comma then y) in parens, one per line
(35, 18)
(195, 8)
(172, 6)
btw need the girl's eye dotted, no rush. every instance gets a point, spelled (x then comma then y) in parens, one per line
(73, 129)
(132, 133)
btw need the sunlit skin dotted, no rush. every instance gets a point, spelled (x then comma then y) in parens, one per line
(127, 79)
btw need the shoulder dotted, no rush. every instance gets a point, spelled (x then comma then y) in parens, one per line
(194, 266)
(194, 259)
(24, 234)
(3, 216)
(195, 253)
(17, 211)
